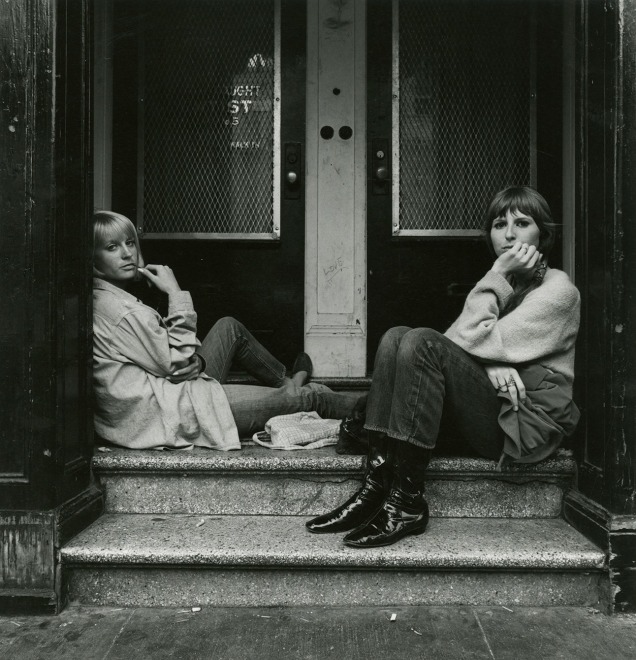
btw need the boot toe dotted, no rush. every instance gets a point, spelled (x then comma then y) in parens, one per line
(361, 537)
(319, 527)
(389, 525)
(344, 521)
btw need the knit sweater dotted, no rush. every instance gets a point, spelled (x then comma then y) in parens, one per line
(541, 330)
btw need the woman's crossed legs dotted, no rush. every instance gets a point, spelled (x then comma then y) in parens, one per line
(253, 405)
(421, 381)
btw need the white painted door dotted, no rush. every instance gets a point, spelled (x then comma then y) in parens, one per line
(335, 271)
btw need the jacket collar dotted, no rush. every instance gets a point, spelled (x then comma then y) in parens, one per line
(103, 285)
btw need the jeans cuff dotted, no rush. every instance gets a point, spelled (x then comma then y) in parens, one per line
(399, 436)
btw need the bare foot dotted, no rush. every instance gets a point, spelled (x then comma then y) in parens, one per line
(300, 378)
(301, 371)
(291, 383)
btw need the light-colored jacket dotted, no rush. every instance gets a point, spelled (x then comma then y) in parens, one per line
(134, 349)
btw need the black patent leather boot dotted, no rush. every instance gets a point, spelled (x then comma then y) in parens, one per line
(405, 510)
(363, 504)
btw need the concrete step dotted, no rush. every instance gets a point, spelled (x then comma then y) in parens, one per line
(260, 481)
(184, 560)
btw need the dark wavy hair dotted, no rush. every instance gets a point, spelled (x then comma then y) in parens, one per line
(526, 200)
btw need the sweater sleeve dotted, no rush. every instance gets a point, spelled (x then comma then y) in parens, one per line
(546, 322)
(159, 346)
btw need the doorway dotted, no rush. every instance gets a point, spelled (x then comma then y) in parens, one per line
(206, 100)
(318, 170)
(464, 99)
(461, 99)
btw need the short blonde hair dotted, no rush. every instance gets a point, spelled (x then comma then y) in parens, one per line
(108, 225)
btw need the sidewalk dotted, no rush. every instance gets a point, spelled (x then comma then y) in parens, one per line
(308, 633)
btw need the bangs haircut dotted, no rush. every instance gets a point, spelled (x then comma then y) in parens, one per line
(525, 200)
(108, 226)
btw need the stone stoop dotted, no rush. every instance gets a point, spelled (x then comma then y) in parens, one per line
(227, 528)
(260, 481)
(140, 560)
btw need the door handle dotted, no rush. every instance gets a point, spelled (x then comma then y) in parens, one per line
(292, 170)
(380, 167)
(382, 173)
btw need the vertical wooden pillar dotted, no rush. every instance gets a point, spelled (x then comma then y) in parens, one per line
(335, 275)
(46, 422)
(604, 506)
(103, 103)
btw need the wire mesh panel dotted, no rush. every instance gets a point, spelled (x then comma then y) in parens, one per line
(463, 100)
(209, 113)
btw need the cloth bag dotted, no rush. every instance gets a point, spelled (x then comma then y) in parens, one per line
(302, 430)
(548, 415)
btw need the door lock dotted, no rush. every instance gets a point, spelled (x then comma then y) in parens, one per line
(292, 170)
(380, 167)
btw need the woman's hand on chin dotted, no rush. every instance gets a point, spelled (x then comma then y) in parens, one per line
(162, 277)
(505, 378)
(520, 260)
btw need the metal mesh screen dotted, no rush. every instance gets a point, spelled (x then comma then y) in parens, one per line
(207, 116)
(465, 109)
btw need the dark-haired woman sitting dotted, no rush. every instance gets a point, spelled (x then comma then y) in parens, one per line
(502, 374)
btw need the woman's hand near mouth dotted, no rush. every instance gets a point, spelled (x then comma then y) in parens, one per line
(519, 260)
(162, 277)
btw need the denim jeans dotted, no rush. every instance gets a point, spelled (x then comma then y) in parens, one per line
(252, 405)
(230, 341)
(422, 381)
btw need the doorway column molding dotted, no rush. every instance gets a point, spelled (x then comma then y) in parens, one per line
(335, 243)
(103, 104)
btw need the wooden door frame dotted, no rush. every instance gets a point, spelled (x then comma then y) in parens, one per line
(46, 488)
(603, 505)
